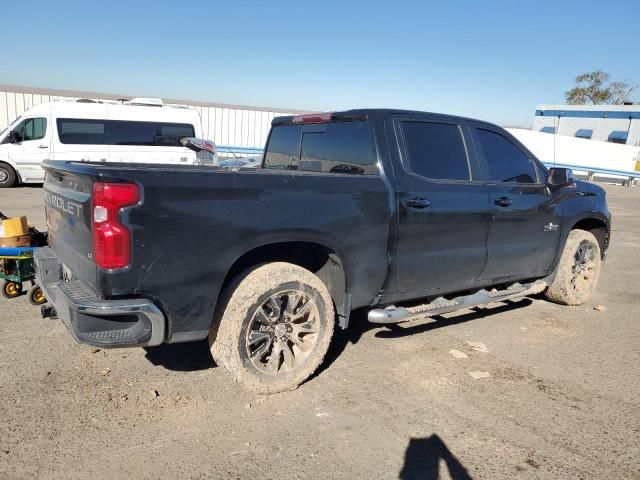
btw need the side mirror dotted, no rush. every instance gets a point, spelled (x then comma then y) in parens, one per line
(205, 149)
(199, 144)
(560, 177)
(13, 137)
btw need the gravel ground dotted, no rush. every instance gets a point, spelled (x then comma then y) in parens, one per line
(559, 397)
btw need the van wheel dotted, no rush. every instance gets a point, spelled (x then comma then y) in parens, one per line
(577, 271)
(274, 326)
(8, 175)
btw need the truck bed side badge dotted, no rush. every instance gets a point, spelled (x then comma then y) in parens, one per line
(551, 227)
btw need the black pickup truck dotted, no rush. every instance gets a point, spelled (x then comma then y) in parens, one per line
(408, 214)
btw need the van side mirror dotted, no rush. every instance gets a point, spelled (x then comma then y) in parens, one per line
(560, 177)
(199, 144)
(13, 137)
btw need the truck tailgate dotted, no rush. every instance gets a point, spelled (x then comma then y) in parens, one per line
(67, 197)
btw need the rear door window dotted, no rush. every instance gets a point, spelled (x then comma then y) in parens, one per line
(283, 149)
(335, 147)
(435, 150)
(504, 160)
(343, 147)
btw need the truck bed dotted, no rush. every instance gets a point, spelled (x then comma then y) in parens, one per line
(194, 223)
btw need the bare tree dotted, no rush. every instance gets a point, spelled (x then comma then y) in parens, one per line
(621, 92)
(593, 88)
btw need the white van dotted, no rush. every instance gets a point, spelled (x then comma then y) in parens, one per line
(141, 130)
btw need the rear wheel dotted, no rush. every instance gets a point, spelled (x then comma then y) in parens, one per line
(578, 270)
(11, 289)
(36, 297)
(276, 324)
(8, 175)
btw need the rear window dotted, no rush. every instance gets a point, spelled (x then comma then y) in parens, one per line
(283, 149)
(337, 147)
(121, 132)
(435, 150)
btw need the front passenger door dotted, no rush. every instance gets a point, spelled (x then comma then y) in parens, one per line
(525, 226)
(32, 148)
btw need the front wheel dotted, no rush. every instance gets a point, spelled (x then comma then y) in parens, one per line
(8, 175)
(577, 271)
(276, 324)
(11, 289)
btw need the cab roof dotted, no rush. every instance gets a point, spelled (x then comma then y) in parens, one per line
(367, 113)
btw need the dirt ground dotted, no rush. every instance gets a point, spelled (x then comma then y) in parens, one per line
(562, 399)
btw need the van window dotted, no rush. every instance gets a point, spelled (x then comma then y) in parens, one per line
(29, 129)
(435, 150)
(504, 160)
(15, 122)
(150, 134)
(34, 129)
(121, 132)
(81, 131)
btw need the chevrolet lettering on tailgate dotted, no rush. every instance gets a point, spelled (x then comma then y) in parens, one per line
(63, 204)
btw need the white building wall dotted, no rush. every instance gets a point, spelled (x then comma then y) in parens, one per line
(579, 151)
(602, 127)
(234, 125)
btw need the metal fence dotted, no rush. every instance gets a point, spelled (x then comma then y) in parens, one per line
(225, 124)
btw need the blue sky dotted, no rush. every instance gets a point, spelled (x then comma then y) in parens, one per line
(494, 60)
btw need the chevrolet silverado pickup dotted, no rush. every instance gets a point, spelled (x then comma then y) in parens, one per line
(407, 214)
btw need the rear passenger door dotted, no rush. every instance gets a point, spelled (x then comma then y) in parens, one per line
(525, 227)
(443, 208)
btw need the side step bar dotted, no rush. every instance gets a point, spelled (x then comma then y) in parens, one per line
(440, 305)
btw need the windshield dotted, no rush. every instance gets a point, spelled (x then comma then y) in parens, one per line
(10, 125)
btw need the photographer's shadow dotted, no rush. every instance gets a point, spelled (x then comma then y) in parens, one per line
(423, 457)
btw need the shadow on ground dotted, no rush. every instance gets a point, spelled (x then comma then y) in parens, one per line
(195, 356)
(423, 457)
(359, 325)
(182, 357)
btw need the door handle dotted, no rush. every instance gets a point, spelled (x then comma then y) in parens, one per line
(502, 202)
(43, 146)
(417, 203)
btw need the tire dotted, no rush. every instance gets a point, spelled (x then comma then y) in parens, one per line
(273, 327)
(577, 271)
(8, 175)
(36, 296)
(11, 289)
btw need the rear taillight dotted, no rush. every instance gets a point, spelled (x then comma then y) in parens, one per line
(111, 239)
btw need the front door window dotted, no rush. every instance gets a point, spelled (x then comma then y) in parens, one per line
(30, 129)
